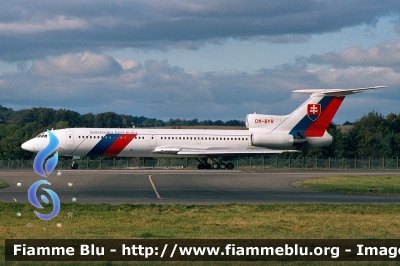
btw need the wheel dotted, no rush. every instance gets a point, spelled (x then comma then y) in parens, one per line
(215, 166)
(230, 166)
(201, 166)
(222, 166)
(208, 166)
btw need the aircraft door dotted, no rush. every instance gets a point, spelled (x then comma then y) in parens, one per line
(152, 140)
(70, 138)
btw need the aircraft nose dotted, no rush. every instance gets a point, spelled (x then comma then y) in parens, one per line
(28, 146)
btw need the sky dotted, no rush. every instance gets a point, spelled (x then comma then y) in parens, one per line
(210, 60)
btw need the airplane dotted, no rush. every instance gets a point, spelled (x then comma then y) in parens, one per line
(303, 129)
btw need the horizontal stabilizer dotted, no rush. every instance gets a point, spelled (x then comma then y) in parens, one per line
(336, 92)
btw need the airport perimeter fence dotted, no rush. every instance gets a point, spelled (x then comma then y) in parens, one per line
(251, 163)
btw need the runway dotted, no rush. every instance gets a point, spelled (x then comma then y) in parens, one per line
(182, 187)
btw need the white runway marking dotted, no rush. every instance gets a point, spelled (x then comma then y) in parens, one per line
(154, 187)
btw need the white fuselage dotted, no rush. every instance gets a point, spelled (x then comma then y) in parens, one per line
(125, 142)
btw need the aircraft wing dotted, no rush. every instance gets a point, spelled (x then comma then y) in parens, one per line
(214, 151)
(231, 151)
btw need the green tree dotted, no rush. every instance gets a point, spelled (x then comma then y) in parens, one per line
(391, 145)
(371, 130)
(62, 124)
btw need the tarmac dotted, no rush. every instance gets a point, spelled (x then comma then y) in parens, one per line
(183, 187)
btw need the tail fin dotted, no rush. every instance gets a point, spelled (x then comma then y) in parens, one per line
(311, 119)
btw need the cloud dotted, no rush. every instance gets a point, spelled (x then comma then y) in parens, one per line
(357, 76)
(82, 82)
(128, 64)
(384, 54)
(60, 23)
(81, 64)
(34, 30)
(291, 38)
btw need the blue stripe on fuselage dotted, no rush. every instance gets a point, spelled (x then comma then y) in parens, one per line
(103, 145)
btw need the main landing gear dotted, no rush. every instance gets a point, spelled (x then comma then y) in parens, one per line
(74, 165)
(214, 165)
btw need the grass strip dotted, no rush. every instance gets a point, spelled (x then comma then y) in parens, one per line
(3, 184)
(387, 185)
(236, 221)
(204, 221)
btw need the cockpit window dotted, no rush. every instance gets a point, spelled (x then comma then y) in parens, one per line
(42, 135)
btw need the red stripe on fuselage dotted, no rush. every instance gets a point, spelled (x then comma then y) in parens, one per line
(119, 144)
(318, 127)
